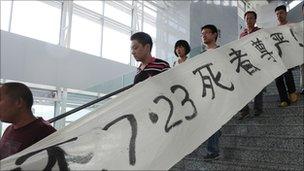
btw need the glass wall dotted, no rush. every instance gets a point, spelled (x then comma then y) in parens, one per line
(5, 9)
(86, 35)
(100, 28)
(116, 45)
(51, 101)
(97, 27)
(37, 20)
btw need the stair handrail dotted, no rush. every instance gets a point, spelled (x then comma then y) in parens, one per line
(195, 51)
(89, 104)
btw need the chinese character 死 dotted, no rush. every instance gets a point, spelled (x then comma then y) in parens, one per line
(211, 78)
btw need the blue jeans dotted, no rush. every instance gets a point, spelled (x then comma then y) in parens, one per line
(213, 143)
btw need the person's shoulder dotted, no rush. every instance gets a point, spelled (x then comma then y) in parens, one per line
(257, 28)
(243, 33)
(161, 62)
(8, 130)
(45, 125)
(157, 65)
(244, 30)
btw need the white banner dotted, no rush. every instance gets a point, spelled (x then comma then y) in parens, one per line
(157, 122)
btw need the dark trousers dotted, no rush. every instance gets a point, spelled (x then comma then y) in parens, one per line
(291, 88)
(258, 103)
(213, 143)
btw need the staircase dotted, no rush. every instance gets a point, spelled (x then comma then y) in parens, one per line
(272, 141)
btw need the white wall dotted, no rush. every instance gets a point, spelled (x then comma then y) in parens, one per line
(34, 61)
(224, 18)
(266, 15)
(173, 24)
(295, 14)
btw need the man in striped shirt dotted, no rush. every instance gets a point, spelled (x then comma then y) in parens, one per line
(141, 47)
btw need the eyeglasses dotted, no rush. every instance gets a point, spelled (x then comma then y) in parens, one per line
(205, 33)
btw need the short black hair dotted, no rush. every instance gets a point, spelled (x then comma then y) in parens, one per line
(143, 38)
(281, 7)
(184, 44)
(212, 28)
(17, 90)
(251, 12)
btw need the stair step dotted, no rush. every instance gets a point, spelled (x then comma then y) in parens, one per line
(226, 164)
(275, 104)
(290, 110)
(272, 101)
(289, 143)
(273, 112)
(270, 119)
(264, 155)
(264, 129)
(275, 98)
(255, 154)
(272, 89)
(272, 141)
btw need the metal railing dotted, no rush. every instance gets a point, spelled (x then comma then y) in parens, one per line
(119, 84)
(89, 104)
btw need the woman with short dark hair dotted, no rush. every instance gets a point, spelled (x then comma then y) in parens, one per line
(181, 50)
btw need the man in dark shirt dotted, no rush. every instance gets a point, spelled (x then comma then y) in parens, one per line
(141, 47)
(287, 95)
(250, 18)
(16, 101)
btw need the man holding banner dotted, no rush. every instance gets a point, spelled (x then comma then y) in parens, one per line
(209, 36)
(291, 96)
(141, 50)
(250, 18)
(155, 124)
(16, 101)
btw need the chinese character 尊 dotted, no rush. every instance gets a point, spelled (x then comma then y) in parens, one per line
(259, 45)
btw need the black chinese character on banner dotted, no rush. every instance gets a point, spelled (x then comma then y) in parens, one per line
(259, 45)
(301, 44)
(280, 39)
(55, 155)
(210, 78)
(245, 64)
